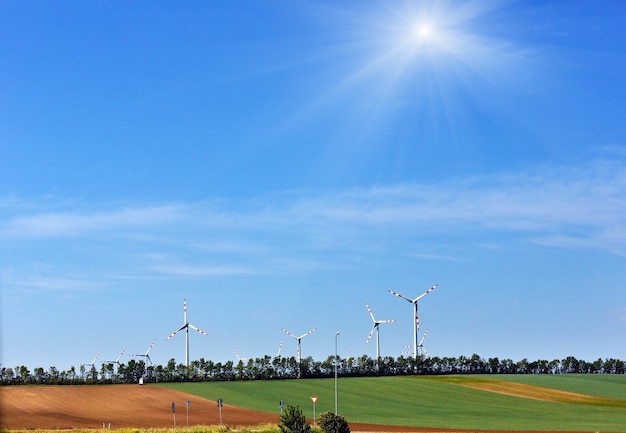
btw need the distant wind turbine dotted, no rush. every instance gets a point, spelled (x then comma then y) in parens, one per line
(117, 361)
(280, 347)
(416, 318)
(145, 355)
(238, 358)
(375, 328)
(298, 339)
(421, 349)
(92, 363)
(186, 326)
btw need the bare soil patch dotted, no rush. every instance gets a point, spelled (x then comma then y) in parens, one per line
(532, 391)
(38, 407)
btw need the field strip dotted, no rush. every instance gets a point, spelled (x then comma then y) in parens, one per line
(528, 391)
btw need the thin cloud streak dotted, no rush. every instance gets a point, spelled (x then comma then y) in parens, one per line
(58, 284)
(202, 270)
(567, 207)
(590, 198)
(71, 224)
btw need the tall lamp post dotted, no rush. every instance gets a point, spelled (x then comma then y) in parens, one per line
(336, 335)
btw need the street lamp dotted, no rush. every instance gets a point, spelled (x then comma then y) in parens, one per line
(336, 335)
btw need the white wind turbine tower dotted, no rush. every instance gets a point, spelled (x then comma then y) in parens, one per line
(416, 318)
(375, 328)
(146, 355)
(117, 361)
(186, 326)
(298, 339)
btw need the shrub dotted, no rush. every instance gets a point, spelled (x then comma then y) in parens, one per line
(292, 420)
(332, 423)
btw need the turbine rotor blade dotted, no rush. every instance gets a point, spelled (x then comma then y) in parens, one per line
(369, 337)
(177, 331)
(369, 310)
(400, 296)
(94, 360)
(422, 340)
(150, 348)
(199, 330)
(425, 293)
(308, 333)
(118, 358)
(289, 333)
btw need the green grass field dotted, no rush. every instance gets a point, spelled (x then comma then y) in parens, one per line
(438, 401)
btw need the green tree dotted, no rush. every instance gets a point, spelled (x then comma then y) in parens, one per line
(332, 423)
(292, 420)
(24, 373)
(39, 375)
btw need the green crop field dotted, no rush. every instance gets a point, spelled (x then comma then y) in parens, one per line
(599, 402)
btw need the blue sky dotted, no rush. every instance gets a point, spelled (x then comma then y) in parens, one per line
(281, 164)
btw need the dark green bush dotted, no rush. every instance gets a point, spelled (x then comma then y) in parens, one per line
(292, 420)
(332, 423)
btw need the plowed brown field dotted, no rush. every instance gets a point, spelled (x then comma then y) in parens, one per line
(26, 407)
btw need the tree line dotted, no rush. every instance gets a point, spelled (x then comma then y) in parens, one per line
(269, 368)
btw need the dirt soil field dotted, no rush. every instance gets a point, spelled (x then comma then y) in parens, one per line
(528, 391)
(71, 407)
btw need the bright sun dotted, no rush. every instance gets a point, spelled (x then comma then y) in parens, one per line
(423, 31)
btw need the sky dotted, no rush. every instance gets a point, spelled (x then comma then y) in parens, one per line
(281, 164)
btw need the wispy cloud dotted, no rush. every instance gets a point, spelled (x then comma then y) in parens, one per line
(47, 283)
(187, 270)
(74, 223)
(567, 207)
(576, 206)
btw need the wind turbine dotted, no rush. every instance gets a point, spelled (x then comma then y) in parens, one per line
(186, 327)
(280, 347)
(92, 363)
(299, 338)
(375, 328)
(238, 358)
(421, 347)
(146, 355)
(117, 361)
(417, 321)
